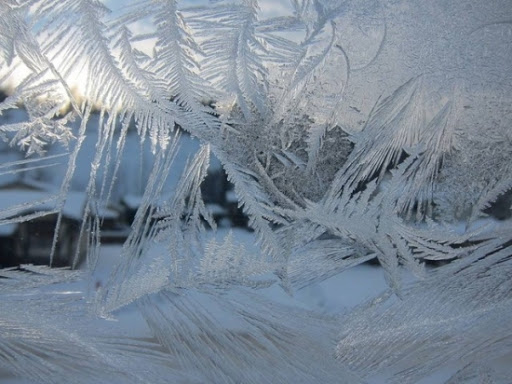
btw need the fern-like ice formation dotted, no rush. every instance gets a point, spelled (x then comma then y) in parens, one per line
(351, 131)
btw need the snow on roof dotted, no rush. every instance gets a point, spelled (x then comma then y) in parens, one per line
(216, 209)
(107, 213)
(14, 202)
(132, 201)
(231, 196)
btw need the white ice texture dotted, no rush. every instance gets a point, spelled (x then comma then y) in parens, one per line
(351, 131)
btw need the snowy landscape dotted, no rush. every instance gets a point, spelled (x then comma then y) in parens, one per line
(255, 191)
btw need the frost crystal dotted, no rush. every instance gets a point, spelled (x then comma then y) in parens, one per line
(350, 131)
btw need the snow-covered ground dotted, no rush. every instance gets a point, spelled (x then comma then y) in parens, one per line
(336, 295)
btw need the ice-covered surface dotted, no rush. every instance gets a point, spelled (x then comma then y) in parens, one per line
(313, 111)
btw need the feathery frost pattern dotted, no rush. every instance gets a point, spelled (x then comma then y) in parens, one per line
(350, 131)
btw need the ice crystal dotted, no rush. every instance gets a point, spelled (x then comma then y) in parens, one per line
(350, 130)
